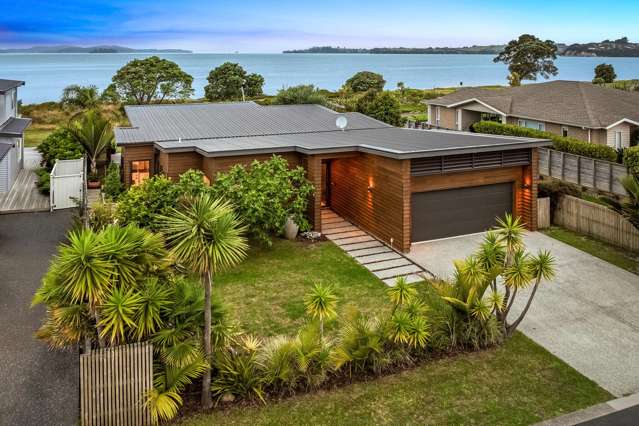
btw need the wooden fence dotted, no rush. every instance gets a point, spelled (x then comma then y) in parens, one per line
(580, 170)
(597, 221)
(113, 383)
(543, 213)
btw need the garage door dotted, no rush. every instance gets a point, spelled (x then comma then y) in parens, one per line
(446, 213)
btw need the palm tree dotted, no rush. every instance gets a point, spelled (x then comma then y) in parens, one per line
(206, 237)
(320, 303)
(93, 133)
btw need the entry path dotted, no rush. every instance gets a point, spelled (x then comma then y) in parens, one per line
(588, 315)
(384, 262)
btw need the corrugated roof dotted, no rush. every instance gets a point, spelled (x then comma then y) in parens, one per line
(154, 123)
(567, 102)
(9, 84)
(390, 142)
(14, 126)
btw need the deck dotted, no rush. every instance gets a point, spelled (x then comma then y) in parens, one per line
(24, 195)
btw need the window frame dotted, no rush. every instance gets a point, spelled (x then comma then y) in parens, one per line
(618, 139)
(131, 171)
(564, 131)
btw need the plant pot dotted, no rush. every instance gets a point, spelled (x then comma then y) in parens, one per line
(291, 229)
(93, 184)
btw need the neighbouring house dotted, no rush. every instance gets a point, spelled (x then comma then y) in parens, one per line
(11, 134)
(401, 185)
(577, 109)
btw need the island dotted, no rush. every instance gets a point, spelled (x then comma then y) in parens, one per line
(90, 49)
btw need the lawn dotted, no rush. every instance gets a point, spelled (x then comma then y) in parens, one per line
(265, 293)
(515, 384)
(33, 136)
(611, 254)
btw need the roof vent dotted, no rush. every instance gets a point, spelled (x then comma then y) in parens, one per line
(341, 122)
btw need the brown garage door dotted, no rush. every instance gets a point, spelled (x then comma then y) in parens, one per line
(446, 213)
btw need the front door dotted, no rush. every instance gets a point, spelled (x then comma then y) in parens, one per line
(326, 183)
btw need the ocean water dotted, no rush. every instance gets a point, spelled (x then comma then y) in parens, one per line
(47, 74)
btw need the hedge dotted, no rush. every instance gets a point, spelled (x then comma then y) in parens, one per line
(631, 159)
(560, 143)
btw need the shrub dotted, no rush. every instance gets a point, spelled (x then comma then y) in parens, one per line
(381, 106)
(59, 146)
(238, 373)
(631, 159)
(143, 203)
(112, 183)
(303, 94)
(102, 215)
(364, 81)
(192, 183)
(44, 181)
(266, 194)
(560, 143)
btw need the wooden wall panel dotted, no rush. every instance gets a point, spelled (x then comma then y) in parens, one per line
(383, 211)
(211, 166)
(135, 153)
(175, 163)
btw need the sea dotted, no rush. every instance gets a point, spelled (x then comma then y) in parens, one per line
(47, 74)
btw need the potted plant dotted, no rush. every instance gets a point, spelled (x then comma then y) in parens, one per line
(291, 228)
(94, 181)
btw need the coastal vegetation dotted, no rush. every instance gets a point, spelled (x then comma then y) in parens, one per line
(529, 57)
(604, 73)
(230, 82)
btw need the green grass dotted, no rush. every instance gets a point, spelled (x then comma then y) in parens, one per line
(265, 293)
(33, 136)
(515, 384)
(611, 254)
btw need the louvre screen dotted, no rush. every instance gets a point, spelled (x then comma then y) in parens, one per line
(464, 162)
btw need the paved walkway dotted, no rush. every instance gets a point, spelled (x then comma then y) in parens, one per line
(588, 315)
(386, 263)
(37, 386)
(24, 195)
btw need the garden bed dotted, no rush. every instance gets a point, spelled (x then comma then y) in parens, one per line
(514, 384)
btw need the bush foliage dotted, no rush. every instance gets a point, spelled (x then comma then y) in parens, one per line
(631, 159)
(225, 83)
(303, 94)
(382, 106)
(560, 143)
(59, 146)
(266, 194)
(364, 81)
(112, 185)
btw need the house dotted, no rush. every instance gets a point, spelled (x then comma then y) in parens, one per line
(577, 109)
(401, 185)
(11, 134)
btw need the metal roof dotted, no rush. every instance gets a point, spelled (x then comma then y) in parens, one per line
(5, 146)
(14, 126)
(389, 142)
(9, 84)
(156, 123)
(576, 103)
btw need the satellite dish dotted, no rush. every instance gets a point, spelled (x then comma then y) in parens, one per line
(341, 122)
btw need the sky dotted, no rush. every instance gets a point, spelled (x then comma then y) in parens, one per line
(258, 26)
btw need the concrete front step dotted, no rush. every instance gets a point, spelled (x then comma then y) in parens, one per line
(358, 246)
(370, 251)
(388, 264)
(378, 257)
(353, 240)
(396, 272)
(413, 278)
(341, 230)
(344, 235)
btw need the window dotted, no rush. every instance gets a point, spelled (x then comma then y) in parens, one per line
(618, 136)
(541, 126)
(531, 124)
(437, 115)
(140, 170)
(521, 123)
(564, 132)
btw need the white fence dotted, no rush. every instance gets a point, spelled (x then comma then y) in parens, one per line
(67, 185)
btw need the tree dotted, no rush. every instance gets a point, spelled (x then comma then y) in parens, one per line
(381, 106)
(93, 133)
(500, 262)
(152, 79)
(205, 237)
(110, 95)
(529, 57)
(364, 81)
(514, 80)
(320, 304)
(80, 96)
(227, 81)
(303, 94)
(605, 72)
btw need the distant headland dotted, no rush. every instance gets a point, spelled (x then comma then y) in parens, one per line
(611, 48)
(90, 49)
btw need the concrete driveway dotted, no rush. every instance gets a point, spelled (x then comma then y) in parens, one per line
(37, 386)
(588, 316)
